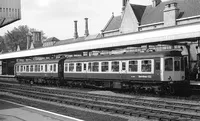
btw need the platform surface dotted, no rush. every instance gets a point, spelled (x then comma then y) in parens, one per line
(10, 111)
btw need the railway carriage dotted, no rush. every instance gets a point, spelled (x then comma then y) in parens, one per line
(42, 71)
(158, 71)
(161, 71)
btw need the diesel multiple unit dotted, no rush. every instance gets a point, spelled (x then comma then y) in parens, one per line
(158, 71)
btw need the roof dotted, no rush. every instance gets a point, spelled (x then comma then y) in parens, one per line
(126, 56)
(114, 23)
(187, 8)
(149, 14)
(70, 41)
(173, 33)
(52, 39)
(138, 10)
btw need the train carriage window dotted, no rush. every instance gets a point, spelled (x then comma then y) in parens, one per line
(71, 67)
(41, 68)
(78, 67)
(27, 68)
(17, 68)
(177, 65)
(123, 66)
(104, 66)
(84, 66)
(169, 64)
(24, 68)
(35, 68)
(89, 66)
(21, 68)
(38, 68)
(45, 67)
(54, 67)
(31, 68)
(115, 66)
(146, 66)
(51, 68)
(133, 66)
(95, 67)
(66, 67)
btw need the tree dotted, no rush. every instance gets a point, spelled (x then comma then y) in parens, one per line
(2, 45)
(18, 36)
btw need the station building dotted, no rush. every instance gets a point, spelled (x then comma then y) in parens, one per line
(173, 24)
(10, 11)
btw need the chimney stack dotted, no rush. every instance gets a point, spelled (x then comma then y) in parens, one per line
(156, 3)
(124, 4)
(75, 30)
(28, 37)
(86, 27)
(171, 13)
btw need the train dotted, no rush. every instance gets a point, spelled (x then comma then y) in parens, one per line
(162, 72)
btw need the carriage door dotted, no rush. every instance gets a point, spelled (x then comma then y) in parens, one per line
(61, 69)
(123, 70)
(85, 69)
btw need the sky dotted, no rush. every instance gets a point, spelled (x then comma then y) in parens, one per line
(56, 17)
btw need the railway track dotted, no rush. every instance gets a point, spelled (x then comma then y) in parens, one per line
(150, 109)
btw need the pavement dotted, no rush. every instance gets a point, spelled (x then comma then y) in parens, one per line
(10, 111)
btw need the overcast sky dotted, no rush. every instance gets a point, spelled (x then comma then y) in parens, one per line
(55, 17)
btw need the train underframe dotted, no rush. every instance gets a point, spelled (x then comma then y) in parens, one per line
(157, 87)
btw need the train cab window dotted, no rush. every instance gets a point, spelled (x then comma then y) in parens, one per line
(27, 68)
(177, 66)
(95, 67)
(133, 66)
(169, 64)
(45, 67)
(146, 66)
(71, 67)
(54, 67)
(182, 64)
(104, 66)
(66, 67)
(115, 66)
(31, 68)
(78, 67)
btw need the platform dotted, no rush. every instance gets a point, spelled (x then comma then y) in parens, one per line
(10, 111)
